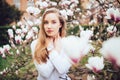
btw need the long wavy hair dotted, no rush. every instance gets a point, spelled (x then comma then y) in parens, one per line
(41, 53)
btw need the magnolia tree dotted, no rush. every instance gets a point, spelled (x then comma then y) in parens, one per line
(100, 39)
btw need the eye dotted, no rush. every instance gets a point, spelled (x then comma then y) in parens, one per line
(53, 22)
(45, 22)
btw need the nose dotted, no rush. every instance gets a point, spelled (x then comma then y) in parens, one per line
(49, 25)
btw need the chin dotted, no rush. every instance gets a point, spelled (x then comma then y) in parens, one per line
(50, 35)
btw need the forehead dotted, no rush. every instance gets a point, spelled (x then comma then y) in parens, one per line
(51, 16)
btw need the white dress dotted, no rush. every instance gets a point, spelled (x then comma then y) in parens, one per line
(56, 66)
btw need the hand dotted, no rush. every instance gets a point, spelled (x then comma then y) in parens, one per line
(54, 43)
(57, 43)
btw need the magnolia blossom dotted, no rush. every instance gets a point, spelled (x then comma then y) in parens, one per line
(113, 14)
(69, 12)
(18, 31)
(65, 3)
(53, 3)
(22, 26)
(33, 10)
(30, 23)
(102, 1)
(18, 39)
(86, 34)
(19, 23)
(42, 4)
(29, 35)
(6, 48)
(75, 47)
(95, 63)
(35, 29)
(74, 1)
(111, 29)
(24, 30)
(110, 50)
(37, 21)
(10, 33)
(64, 13)
(72, 6)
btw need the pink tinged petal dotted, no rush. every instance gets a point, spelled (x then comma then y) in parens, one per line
(112, 17)
(117, 19)
(112, 59)
(75, 60)
(95, 69)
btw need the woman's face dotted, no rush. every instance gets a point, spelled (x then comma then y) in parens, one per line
(51, 24)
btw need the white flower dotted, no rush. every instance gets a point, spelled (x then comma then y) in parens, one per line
(22, 26)
(53, 3)
(86, 34)
(33, 10)
(41, 4)
(10, 33)
(74, 1)
(30, 23)
(113, 14)
(75, 47)
(35, 29)
(29, 35)
(65, 3)
(6, 48)
(64, 14)
(18, 39)
(24, 30)
(37, 21)
(95, 63)
(111, 29)
(110, 50)
(19, 23)
(69, 12)
(110, 13)
(18, 31)
(44, 4)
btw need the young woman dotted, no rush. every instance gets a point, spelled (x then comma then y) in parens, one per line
(49, 56)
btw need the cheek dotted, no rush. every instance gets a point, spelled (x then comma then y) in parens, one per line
(44, 29)
(57, 28)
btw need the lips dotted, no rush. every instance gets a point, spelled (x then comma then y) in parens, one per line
(49, 31)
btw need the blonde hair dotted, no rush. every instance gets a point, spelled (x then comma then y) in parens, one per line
(41, 54)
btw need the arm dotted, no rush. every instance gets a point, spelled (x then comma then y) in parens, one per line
(60, 61)
(44, 69)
